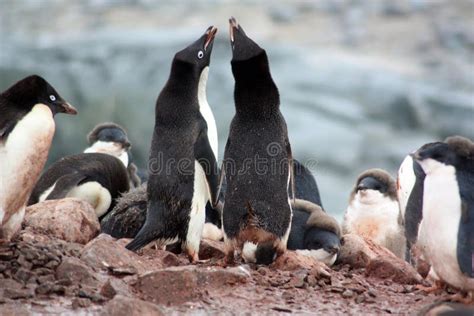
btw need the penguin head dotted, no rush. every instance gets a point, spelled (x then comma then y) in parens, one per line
(375, 184)
(112, 139)
(198, 54)
(324, 245)
(243, 47)
(110, 133)
(33, 90)
(455, 151)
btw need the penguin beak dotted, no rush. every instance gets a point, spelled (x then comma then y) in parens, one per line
(68, 108)
(210, 35)
(233, 25)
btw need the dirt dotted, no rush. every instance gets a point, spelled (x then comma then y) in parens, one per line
(39, 274)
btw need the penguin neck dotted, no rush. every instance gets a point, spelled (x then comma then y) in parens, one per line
(255, 91)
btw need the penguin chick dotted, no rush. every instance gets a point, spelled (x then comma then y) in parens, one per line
(95, 177)
(128, 215)
(314, 233)
(446, 234)
(373, 211)
(178, 193)
(257, 211)
(27, 127)
(112, 139)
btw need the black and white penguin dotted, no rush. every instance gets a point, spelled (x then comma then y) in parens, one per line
(373, 211)
(314, 233)
(94, 177)
(446, 233)
(182, 165)
(410, 198)
(257, 162)
(27, 127)
(112, 139)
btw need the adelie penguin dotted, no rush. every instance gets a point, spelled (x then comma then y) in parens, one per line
(314, 233)
(112, 139)
(182, 165)
(27, 127)
(257, 211)
(373, 211)
(446, 233)
(93, 177)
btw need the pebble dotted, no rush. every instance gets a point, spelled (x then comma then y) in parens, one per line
(347, 294)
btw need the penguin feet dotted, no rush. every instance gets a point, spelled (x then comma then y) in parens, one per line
(462, 297)
(193, 256)
(437, 287)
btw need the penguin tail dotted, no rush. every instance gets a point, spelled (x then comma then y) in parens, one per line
(140, 241)
(260, 253)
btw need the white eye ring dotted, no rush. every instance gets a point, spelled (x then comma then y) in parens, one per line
(52, 98)
(200, 54)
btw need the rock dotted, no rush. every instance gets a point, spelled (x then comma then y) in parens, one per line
(68, 219)
(17, 293)
(211, 249)
(104, 252)
(291, 261)
(125, 306)
(76, 271)
(177, 285)
(14, 310)
(113, 287)
(378, 261)
(347, 294)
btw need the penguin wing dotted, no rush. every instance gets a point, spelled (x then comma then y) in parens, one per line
(65, 184)
(465, 247)
(291, 169)
(205, 156)
(7, 124)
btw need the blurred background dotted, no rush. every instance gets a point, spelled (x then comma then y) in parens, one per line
(362, 82)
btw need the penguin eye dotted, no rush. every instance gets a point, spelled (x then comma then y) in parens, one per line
(52, 98)
(200, 54)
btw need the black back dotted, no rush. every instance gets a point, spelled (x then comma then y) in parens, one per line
(306, 187)
(257, 156)
(107, 170)
(19, 99)
(179, 139)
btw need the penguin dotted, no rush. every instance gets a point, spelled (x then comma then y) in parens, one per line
(410, 198)
(112, 139)
(373, 211)
(128, 216)
(446, 233)
(27, 111)
(257, 165)
(306, 187)
(94, 177)
(314, 233)
(182, 166)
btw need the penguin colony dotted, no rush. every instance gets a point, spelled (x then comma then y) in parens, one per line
(259, 215)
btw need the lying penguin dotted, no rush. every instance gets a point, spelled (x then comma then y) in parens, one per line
(314, 233)
(112, 139)
(374, 213)
(27, 111)
(96, 178)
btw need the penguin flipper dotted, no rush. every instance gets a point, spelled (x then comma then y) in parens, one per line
(465, 246)
(291, 170)
(153, 228)
(65, 184)
(205, 156)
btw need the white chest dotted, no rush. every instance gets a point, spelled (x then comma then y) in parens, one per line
(206, 112)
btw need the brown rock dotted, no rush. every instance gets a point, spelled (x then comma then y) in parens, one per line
(290, 261)
(69, 219)
(17, 293)
(378, 261)
(14, 310)
(177, 285)
(124, 306)
(76, 271)
(211, 249)
(104, 252)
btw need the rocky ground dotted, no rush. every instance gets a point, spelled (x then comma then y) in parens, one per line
(50, 268)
